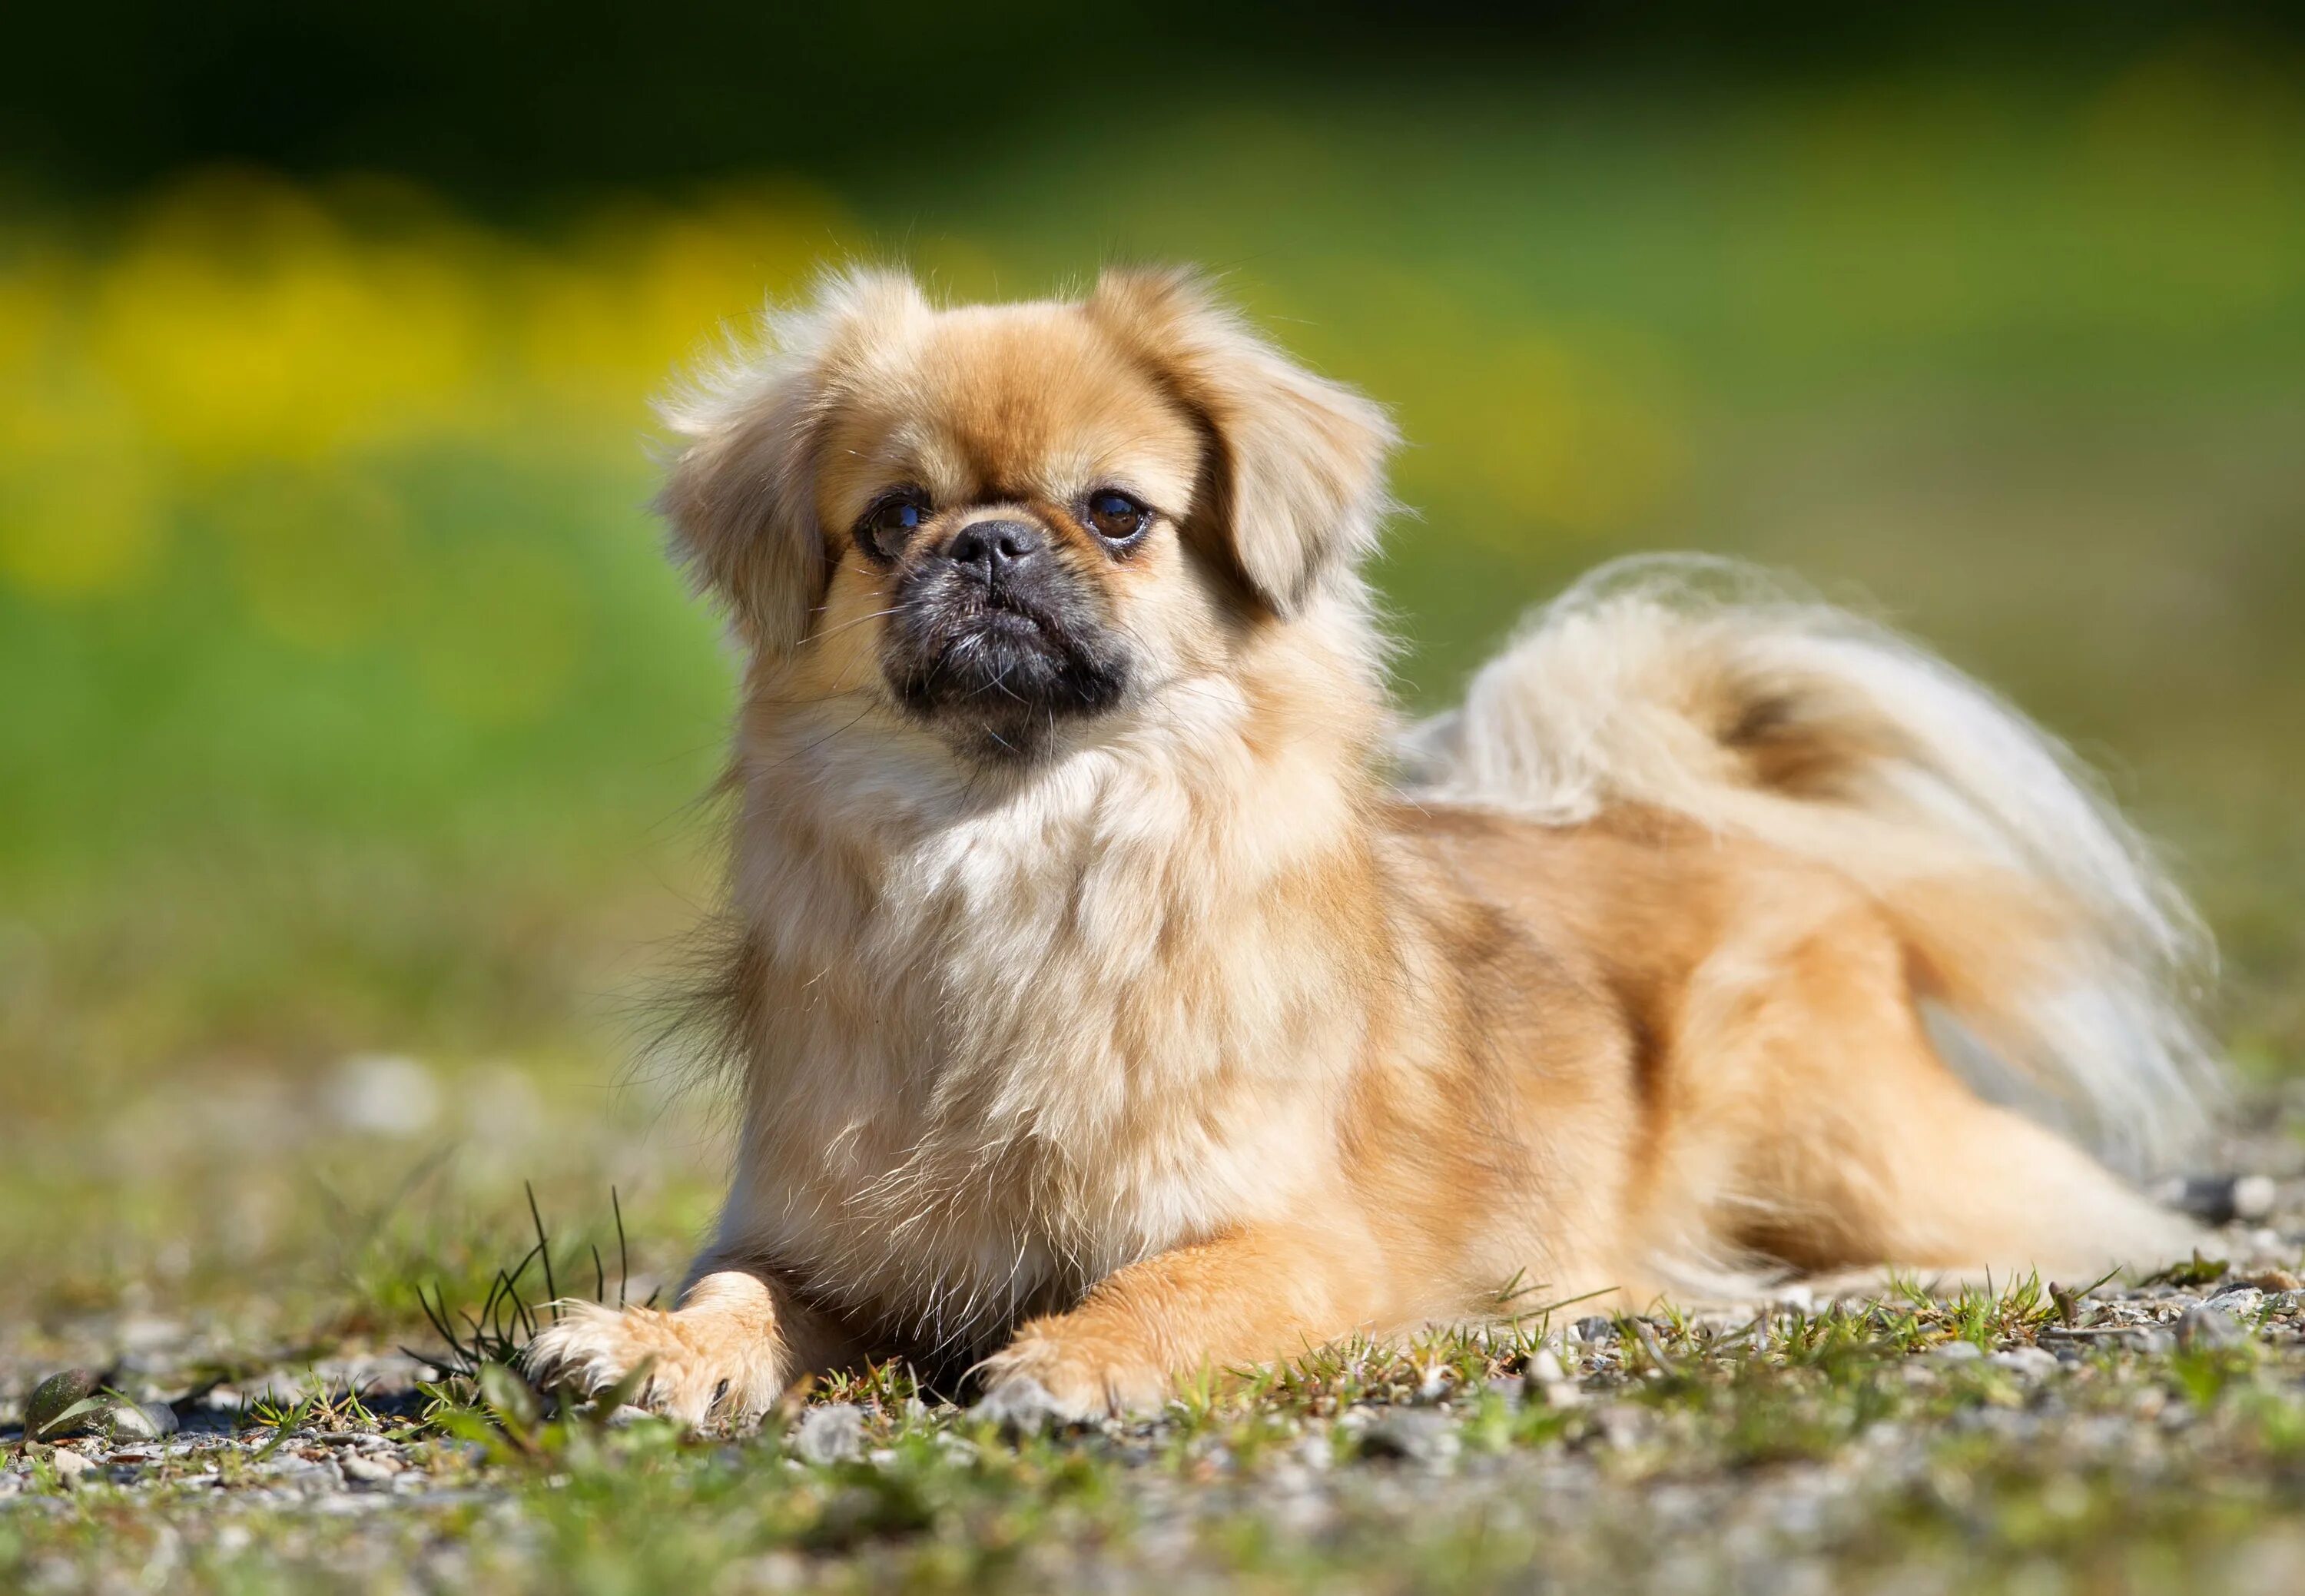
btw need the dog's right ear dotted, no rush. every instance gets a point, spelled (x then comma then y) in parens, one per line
(740, 493)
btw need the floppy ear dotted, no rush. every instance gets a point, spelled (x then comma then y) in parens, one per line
(741, 490)
(1297, 471)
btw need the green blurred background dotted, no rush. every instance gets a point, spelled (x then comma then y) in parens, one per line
(351, 721)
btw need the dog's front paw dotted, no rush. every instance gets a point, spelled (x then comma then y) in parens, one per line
(1040, 1380)
(702, 1364)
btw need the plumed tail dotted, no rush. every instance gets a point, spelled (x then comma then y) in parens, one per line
(2059, 967)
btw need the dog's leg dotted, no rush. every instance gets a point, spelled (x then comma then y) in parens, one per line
(1260, 1293)
(1859, 1146)
(737, 1340)
(1945, 1186)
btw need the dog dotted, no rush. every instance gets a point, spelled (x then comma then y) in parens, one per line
(1120, 991)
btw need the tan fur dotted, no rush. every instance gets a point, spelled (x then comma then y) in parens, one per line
(1180, 1042)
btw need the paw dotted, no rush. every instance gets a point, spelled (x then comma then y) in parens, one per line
(703, 1365)
(1039, 1381)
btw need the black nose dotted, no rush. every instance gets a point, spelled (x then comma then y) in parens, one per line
(987, 550)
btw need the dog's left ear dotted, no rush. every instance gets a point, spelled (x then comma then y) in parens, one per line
(1297, 467)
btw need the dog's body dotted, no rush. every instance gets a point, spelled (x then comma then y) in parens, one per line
(1092, 972)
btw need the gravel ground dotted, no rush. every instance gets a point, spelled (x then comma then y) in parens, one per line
(2116, 1439)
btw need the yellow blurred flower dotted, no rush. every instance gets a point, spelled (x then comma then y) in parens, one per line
(83, 510)
(242, 322)
(643, 291)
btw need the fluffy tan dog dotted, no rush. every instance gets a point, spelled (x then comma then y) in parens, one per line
(1120, 992)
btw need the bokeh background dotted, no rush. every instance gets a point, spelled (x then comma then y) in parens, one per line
(351, 724)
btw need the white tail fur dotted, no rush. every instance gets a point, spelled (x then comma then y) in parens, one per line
(1699, 686)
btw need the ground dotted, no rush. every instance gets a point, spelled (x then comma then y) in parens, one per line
(2042, 1437)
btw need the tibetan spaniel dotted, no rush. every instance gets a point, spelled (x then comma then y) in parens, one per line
(1119, 989)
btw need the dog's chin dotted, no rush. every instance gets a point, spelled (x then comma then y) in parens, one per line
(1001, 682)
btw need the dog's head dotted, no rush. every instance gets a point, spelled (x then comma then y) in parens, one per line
(1004, 521)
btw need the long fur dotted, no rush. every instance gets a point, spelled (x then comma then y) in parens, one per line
(1117, 1041)
(1721, 693)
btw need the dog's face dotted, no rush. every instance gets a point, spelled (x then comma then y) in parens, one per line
(1002, 496)
(1006, 521)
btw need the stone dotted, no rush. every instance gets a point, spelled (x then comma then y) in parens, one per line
(1508, 1389)
(1621, 1426)
(369, 1471)
(1956, 1352)
(139, 1420)
(2027, 1362)
(54, 1396)
(2220, 1199)
(1413, 1435)
(70, 1465)
(1545, 1367)
(2253, 1196)
(2241, 1301)
(2203, 1328)
(381, 1094)
(834, 1433)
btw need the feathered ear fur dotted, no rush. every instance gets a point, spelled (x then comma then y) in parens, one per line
(1297, 473)
(741, 491)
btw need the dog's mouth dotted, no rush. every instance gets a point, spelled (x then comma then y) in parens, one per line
(1007, 663)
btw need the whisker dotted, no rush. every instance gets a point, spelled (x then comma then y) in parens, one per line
(860, 621)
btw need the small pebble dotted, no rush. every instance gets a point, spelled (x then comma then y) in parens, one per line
(1622, 1425)
(2220, 1199)
(2206, 1327)
(1596, 1327)
(2027, 1362)
(834, 1433)
(138, 1421)
(70, 1465)
(1418, 1437)
(2241, 1303)
(370, 1471)
(1545, 1367)
(1957, 1352)
(53, 1397)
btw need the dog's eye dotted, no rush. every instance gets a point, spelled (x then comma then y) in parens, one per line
(889, 526)
(1116, 517)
